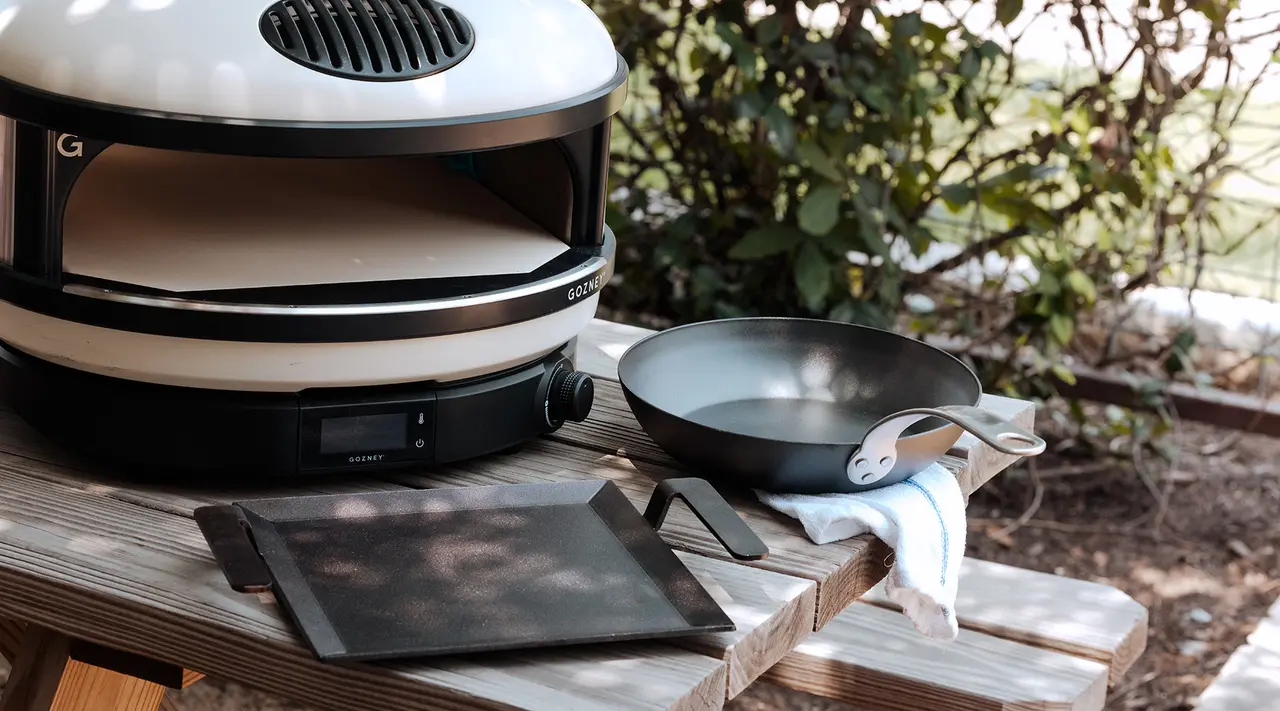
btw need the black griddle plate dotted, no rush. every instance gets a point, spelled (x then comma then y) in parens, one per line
(442, 571)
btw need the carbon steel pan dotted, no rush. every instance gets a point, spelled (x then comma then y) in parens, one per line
(805, 405)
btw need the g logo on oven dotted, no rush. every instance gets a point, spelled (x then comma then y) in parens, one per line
(68, 147)
(586, 288)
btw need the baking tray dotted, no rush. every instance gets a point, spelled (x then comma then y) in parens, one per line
(389, 575)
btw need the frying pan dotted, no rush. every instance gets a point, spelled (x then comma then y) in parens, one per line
(793, 405)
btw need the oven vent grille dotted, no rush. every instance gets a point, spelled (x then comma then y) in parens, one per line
(374, 40)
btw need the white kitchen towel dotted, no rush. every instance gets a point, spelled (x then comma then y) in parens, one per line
(922, 519)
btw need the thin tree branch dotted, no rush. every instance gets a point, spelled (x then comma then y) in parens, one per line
(981, 247)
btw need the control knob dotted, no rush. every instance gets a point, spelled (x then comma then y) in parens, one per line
(570, 396)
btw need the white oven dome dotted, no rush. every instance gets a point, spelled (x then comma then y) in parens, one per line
(211, 59)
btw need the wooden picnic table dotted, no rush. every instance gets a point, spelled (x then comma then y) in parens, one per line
(109, 594)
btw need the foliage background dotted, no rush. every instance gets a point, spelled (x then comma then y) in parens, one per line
(858, 171)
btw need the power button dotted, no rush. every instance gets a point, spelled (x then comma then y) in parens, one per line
(420, 443)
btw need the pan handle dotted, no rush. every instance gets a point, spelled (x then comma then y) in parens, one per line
(877, 454)
(712, 510)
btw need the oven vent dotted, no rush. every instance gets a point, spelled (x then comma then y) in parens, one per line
(373, 40)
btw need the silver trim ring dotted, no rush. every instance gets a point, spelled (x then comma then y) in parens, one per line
(560, 281)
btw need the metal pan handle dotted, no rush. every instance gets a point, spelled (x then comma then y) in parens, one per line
(712, 510)
(875, 457)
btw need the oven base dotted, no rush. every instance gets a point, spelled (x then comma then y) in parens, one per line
(198, 436)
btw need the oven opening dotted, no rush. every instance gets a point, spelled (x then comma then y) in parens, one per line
(194, 222)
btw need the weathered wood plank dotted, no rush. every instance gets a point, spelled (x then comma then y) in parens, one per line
(190, 677)
(143, 581)
(17, 437)
(982, 462)
(612, 429)
(1077, 617)
(601, 345)
(88, 688)
(773, 613)
(1249, 681)
(874, 659)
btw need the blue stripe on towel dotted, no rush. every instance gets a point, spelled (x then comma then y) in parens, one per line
(946, 538)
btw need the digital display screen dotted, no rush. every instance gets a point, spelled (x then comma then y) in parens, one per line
(366, 433)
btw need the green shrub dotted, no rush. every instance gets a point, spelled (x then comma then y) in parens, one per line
(755, 155)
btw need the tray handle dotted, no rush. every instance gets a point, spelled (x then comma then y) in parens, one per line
(231, 541)
(712, 510)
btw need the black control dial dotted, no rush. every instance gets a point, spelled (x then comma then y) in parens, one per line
(570, 396)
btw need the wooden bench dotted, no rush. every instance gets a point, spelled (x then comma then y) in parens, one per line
(74, 548)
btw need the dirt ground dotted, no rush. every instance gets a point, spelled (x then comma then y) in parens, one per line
(1207, 575)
